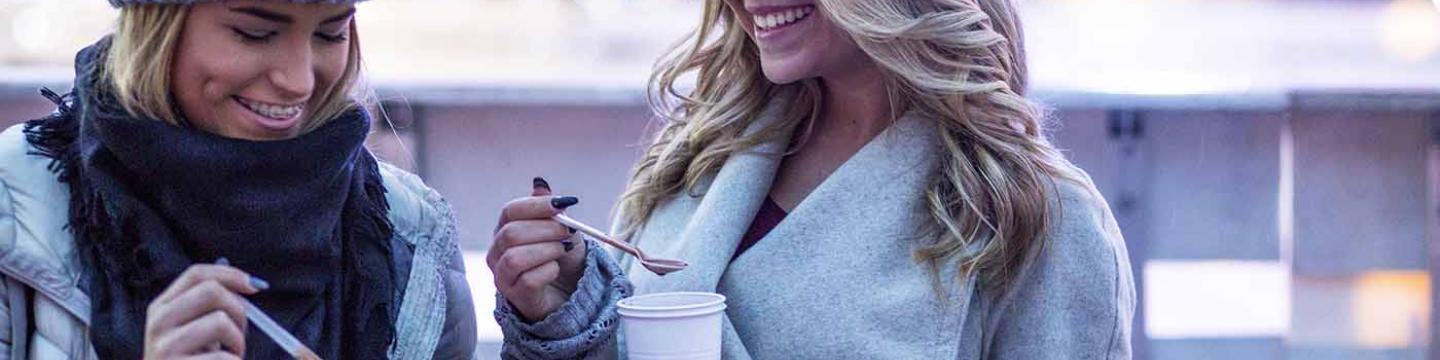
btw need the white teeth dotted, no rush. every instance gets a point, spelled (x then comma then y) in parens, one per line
(279, 112)
(776, 19)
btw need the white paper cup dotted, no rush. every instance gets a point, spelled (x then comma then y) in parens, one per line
(674, 325)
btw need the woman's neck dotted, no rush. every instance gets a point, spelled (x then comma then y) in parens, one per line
(855, 105)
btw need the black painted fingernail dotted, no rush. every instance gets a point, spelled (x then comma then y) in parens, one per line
(561, 202)
(259, 284)
(569, 244)
(540, 182)
(222, 261)
(572, 230)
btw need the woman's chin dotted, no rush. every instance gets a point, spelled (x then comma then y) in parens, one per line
(782, 73)
(254, 130)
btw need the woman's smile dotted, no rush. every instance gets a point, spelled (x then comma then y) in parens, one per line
(770, 21)
(275, 117)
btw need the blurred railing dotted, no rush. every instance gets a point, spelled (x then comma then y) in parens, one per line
(1292, 225)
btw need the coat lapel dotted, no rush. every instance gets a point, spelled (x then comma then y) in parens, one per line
(705, 231)
(878, 192)
(850, 242)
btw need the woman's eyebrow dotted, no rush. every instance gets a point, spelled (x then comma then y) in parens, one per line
(265, 14)
(287, 19)
(341, 17)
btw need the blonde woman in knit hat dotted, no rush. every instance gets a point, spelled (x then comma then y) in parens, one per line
(211, 153)
(863, 179)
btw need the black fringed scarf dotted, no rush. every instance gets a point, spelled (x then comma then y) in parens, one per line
(149, 199)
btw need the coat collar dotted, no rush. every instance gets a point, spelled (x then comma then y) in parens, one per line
(716, 220)
(890, 171)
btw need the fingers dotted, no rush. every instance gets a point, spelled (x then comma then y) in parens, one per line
(524, 232)
(573, 261)
(528, 247)
(535, 207)
(231, 278)
(204, 299)
(540, 187)
(515, 262)
(197, 336)
(528, 244)
(200, 309)
(527, 220)
(533, 282)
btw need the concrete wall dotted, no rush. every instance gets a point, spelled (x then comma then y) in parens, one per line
(482, 158)
(1360, 190)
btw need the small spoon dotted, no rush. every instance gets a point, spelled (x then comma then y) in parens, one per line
(659, 266)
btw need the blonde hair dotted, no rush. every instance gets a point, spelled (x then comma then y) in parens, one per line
(959, 62)
(142, 53)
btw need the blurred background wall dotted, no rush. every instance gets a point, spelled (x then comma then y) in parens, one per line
(1274, 164)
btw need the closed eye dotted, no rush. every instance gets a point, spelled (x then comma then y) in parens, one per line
(337, 38)
(253, 36)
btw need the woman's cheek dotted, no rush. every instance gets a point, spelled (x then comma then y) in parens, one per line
(334, 66)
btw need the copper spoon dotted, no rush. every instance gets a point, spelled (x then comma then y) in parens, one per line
(659, 266)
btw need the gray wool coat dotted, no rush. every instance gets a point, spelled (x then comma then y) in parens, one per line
(836, 278)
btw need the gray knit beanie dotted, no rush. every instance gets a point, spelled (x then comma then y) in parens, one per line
(123, 3)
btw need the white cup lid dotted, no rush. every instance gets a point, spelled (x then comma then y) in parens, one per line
(672, 304)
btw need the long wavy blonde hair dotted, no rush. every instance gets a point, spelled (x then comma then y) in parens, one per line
(959, 62)
(142, 53)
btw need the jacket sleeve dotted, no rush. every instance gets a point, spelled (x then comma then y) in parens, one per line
(459, 339)
(7, 231)
(435, 318)
(1075, 297)
(583, 327)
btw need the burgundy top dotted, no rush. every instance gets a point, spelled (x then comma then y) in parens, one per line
(769, 215)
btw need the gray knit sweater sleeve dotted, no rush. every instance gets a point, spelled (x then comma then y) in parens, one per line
(584, 327)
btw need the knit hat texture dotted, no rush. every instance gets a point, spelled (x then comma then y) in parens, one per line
(124, 3)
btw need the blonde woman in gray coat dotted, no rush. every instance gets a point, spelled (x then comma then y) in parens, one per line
(862, 179)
